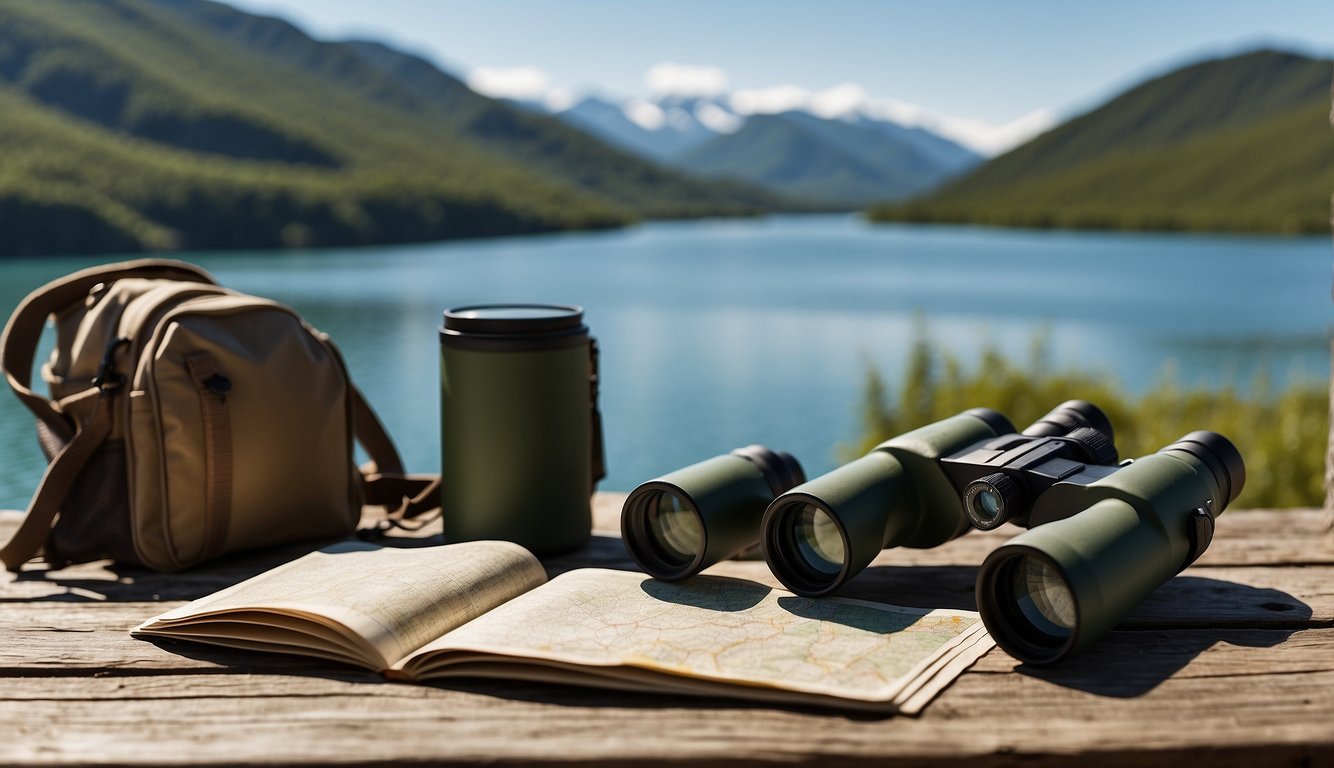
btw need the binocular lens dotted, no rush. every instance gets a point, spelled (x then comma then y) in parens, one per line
(806, 546)
(819, 542)
(1027, 604)
(987, 504)
(674, 528)
(1043, 597)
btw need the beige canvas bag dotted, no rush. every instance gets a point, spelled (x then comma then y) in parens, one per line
(187, 421)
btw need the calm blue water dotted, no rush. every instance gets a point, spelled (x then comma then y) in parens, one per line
(718, 334)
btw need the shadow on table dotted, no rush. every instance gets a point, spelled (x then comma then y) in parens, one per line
(1179, 621)
(579, 696)
(916, 586)
(111, 582)
(249, 662)
(1182, 619)
(719, 593)
(105, 581)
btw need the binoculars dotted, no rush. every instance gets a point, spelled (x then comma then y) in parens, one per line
(1103, 535)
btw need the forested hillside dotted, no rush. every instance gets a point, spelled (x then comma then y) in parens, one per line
(1235, 144)
(130, 125)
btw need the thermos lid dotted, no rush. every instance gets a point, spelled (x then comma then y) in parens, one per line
(513, 326)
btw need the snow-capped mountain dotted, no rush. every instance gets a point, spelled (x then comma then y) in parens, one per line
(660, 130)
(845, 159)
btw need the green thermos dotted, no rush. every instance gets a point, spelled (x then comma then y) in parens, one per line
(521, 435)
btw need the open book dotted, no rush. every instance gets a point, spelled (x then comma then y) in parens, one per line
(486, 609)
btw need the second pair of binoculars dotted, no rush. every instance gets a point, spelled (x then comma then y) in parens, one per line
(1104, 534)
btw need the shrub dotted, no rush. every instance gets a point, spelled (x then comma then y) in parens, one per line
(1282, 433)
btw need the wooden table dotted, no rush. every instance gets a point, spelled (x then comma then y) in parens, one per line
(1232, 662)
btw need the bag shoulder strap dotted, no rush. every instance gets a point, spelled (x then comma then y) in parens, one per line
(386, 483)
(60, 476)
(18, 344)
(372, 435)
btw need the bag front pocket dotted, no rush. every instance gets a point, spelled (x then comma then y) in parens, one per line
(255, 430)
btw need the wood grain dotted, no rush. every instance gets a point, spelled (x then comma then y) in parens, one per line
(1148, 698)
(1232, 662)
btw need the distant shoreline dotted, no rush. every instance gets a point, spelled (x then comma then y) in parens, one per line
(873, 218)
(1087, 221)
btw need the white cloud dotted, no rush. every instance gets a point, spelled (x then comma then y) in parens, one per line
(767, 101)
(983, 136)
(524, 83)
(559, 99)
(645, 114)
(992, 138)
(715, 118)
(850, 100)
(839, 101)
(687, 80)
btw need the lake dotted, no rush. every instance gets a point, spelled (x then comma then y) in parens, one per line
(717, 334)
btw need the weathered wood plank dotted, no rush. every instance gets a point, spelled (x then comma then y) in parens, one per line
(1286, 537)
(94, 636)
(1213, 668)
(1263, 695)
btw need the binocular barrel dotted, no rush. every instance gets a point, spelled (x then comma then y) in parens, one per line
(681, 523)
(825, 531)
(1080, 570)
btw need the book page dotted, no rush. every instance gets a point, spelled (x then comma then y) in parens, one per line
(395, 599)
(715, 629)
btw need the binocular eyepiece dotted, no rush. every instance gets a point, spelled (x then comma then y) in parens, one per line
(681, 523)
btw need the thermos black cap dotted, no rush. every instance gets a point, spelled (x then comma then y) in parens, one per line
(514, 327)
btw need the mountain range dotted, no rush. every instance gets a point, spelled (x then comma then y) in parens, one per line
(132, 125)
(1240, 143)
(149, 124)
(847, 160)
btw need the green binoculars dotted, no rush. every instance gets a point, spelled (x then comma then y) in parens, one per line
(1104, 534)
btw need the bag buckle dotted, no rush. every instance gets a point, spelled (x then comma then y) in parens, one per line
(108, 379)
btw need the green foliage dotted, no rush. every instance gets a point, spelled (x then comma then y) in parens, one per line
(1234, 145)
(147, 124)
(1282, 434)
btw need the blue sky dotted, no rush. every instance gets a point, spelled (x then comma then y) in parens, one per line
(983, 65)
